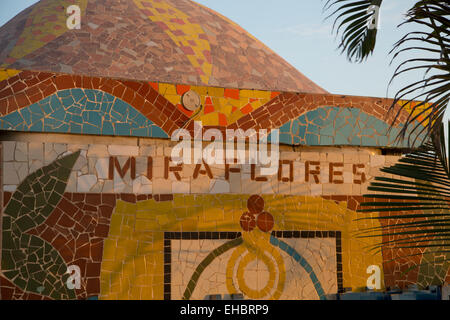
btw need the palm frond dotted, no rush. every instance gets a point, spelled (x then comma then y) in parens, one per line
(358, 20)
(429, 49)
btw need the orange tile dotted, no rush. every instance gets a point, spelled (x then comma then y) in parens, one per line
(182, 89)
(154, 85)
(209, 108)
(274, 94)
(223, 120)
(232, 94)
(247, 109)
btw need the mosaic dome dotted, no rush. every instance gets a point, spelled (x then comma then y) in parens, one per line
(174, 41)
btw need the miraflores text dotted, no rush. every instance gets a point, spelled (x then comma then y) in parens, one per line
(285, 171)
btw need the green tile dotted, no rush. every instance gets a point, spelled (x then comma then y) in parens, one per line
(7, 260)
(24, 223)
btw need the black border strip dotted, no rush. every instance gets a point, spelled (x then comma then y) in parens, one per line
(169, 236)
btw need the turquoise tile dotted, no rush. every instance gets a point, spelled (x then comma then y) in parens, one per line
(368, 142)
(13, 119)
(302, 132)
(340, 140)
(95, 118)
(92, 106)
(122, 129)
(58, 114)
(327, 131)
(77, 94)
(355, 141)
(295, 127)
(107, 128)
(75, 128)
(312, 139)
(55, 104)
(37, 126)
(312, 128)
(26, 115)
(45, 107)
(64, 93)
(90, 95)
(286, 128)
(63, 128)
(307, 267)
(90, 129)
(326, 140)
(77, 119)
(323, 112)
(285, 138)
(283, 246)
(157, 132)
(312, 115)
(302, 120)
(75, 110)
(140, 132)
(314, 278)
(346, 131)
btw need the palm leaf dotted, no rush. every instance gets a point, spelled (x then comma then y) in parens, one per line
(358, 21)
(429, 47)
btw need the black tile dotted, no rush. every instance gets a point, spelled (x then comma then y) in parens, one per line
(194, 236)
(287, 234)
(186, 236)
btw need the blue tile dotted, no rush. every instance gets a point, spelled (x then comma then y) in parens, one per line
(26, 115)
(55, 104)
(157, 132)
(90, 129)
(13, 119)
(285, 138)
(312, 139)
(68, 101)
(77, 94)
(326, 141)
(107, 128)
(75, 128)
(122, 129)
(90, 94)
(64, 93)
(37, 126)
(283, 246)
(140, 132)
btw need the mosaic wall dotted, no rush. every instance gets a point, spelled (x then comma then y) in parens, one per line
(154, 243)
(46, 102)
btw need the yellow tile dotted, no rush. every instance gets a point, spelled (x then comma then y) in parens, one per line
(216, 92)
(167, 89)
